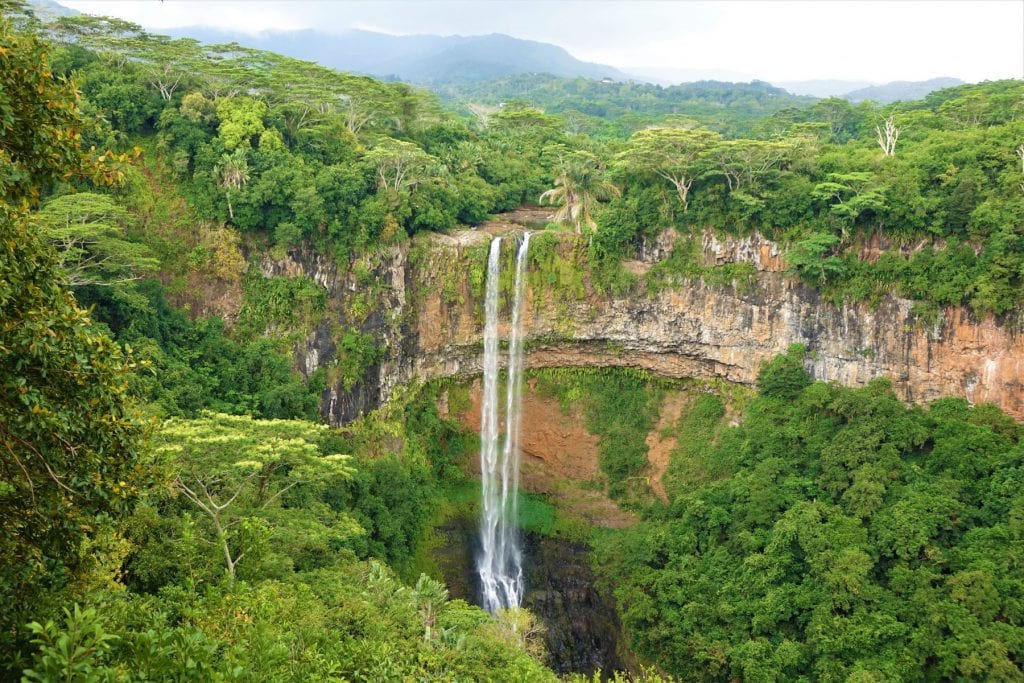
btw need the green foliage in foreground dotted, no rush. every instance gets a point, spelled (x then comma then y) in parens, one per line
(842, 536)
(353, 621)
(70, 435)
(257, 562)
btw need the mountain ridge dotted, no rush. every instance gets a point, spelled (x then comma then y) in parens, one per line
(893, 91)
(420, 58)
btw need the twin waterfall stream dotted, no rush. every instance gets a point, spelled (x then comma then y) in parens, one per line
(500, 562)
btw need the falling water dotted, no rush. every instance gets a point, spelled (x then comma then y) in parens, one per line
(500, 561)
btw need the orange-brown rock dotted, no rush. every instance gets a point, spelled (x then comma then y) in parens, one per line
(558, 455)
(659, 446)
(692, 330)
(558, 439)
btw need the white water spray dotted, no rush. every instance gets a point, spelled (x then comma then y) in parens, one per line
(500, 560)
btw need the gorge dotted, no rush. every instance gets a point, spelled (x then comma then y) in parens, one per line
(301, 385)
(432, 320)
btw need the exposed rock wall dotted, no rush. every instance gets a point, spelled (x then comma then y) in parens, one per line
(692, 330)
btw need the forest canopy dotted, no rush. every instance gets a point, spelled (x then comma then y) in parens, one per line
(172, 508)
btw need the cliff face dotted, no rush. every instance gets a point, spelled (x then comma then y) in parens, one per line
(431, 323)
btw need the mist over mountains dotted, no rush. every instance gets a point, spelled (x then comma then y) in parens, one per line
(434, 60)
(422, 59)
(901, 90)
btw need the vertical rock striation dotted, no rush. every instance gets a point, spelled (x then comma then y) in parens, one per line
(692, 330)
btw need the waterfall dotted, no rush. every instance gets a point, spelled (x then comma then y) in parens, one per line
(500, 560)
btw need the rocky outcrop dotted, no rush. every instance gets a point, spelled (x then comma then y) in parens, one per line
(429, 319)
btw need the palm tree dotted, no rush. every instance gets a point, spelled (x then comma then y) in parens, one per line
(232, 172)
(430, 596)
(579, 187)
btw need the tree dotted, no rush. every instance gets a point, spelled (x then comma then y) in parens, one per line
(358, 111)
(233, 468)
(88, 231)
(851, 195)
(784, 376)
(579, 187)
(232, 173)
(745, 162)
(69, 436)
(401, 165)
(839, 114)
(430, 596)
(887, 134)
(812, 258)
(482, 113)
(520, 118)
(679, 155)
(241, 118)
(164, 62)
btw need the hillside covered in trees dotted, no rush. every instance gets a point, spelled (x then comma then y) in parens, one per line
(172, 507)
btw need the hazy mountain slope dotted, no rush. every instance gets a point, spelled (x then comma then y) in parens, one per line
(48, 10)
(901, 90)
(731, 108)
(822, 87)
(418, 59)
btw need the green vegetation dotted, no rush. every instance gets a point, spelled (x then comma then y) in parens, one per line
(70, 435)
(194, 364)
(616, 109)
(835, 534)
(691, 463)
(289, 305)
(685, 263)
(222, 547)
(88, 231)
(945, 206)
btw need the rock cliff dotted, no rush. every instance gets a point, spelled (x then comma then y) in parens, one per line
(428, 318)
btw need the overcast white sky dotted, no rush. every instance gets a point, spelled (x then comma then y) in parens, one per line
(871, 40)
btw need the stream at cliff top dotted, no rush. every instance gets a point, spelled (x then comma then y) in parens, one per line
(499, 562)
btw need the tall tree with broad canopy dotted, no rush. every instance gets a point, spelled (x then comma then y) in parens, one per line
(234, 469)
(401, 165)
(88, 230)
(679, 155)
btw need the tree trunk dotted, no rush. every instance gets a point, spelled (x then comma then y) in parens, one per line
(683, 189)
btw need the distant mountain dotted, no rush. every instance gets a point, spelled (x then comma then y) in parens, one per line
(48, 10)
(423, 59)
(901, 90)
(674, 75)
(821, 87)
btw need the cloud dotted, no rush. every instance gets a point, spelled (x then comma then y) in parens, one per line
(776, 40)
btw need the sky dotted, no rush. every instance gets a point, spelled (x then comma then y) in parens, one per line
(791, 40)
